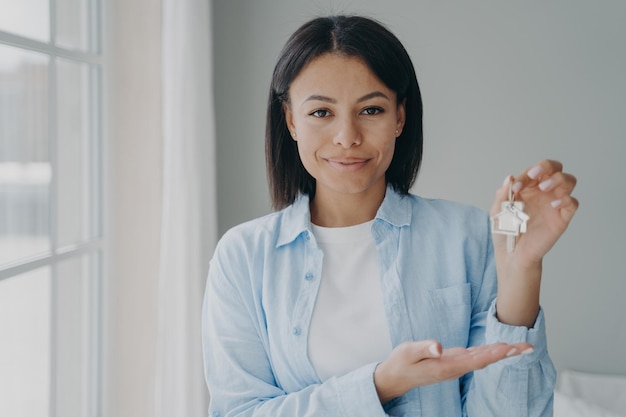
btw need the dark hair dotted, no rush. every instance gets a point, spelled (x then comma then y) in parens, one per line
(352, 36)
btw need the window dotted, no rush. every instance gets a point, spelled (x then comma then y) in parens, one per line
(51, 240)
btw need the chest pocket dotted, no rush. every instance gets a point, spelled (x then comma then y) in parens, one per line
(453, 307)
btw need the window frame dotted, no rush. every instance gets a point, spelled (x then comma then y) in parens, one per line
(95, 246)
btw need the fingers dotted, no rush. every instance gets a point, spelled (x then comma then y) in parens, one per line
(534, 174)
(557, 190)
(546, 167)
(456, 362)
(414, 352)
(558, 184)
(546, 175)
(543, 183)
(478, 357)
(568, 206)
(488, 354)
(414, 364)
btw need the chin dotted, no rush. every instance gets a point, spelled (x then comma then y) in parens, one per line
(353, 188)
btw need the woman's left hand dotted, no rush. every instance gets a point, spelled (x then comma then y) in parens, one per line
(546, 192)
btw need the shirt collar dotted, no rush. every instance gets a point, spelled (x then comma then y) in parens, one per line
(296, 219)
(395, 209)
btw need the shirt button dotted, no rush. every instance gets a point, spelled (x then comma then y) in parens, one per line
(296, 331)
(308, 276)
(306, 236)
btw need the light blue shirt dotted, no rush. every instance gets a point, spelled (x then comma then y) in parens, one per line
(438, 278)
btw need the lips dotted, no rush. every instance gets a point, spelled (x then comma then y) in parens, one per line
(347, 164)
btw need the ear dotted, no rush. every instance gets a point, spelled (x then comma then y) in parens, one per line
(289, 120)
(401, 116)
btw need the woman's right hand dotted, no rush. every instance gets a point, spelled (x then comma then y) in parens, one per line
(413, 364)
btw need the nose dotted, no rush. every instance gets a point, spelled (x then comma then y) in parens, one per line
(348, 133)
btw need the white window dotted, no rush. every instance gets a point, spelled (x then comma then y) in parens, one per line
(51, 241)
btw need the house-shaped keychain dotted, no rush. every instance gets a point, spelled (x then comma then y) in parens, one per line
(511, 220)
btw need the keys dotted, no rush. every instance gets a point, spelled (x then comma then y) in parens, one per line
(511, 221)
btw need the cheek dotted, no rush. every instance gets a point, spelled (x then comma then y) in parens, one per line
(388, 147)
(389, 155)
(308, 142)
(306, 152)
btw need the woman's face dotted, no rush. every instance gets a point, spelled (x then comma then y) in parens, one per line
(345, 122)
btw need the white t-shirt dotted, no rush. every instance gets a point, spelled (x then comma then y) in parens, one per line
(348, 326)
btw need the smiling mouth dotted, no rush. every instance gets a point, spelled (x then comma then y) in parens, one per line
(347, 165)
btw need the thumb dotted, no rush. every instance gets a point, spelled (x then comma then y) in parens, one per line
(502, 194)
(434, 350)
(414, 352)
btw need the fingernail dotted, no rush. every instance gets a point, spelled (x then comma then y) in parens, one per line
(516, 187)
(507, 180)
(556, 203)
(511, 352)
(527, 351)
(534, 172)
(433, 349)
(545, 184)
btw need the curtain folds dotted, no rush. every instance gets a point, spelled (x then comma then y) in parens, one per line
(188, 226)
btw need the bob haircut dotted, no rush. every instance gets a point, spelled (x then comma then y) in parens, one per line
(382, 52)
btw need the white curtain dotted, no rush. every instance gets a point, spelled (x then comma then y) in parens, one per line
(188, 227)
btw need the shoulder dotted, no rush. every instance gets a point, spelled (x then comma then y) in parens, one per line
(267, 232)
(431, 215)
(246, 252)
(446, 211)
(237, 253)
(246, 236)
(451, 224)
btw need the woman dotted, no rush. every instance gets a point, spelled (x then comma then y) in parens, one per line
(356, 298)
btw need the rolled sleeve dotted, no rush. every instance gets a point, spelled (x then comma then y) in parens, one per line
(536, 335)
(520, 386)
(358, 396)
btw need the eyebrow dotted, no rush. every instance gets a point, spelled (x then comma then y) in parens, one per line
(366, 97)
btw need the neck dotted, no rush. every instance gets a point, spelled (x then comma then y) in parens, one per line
(330, 209)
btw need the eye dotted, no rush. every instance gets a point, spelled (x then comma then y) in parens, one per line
(320, 113)
(371, 111)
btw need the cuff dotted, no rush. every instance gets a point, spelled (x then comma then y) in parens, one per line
(358, 392)
(536, 336)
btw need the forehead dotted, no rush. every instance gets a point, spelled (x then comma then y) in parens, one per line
(336, 74)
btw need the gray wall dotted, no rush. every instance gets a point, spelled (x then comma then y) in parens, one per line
(504, 84)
